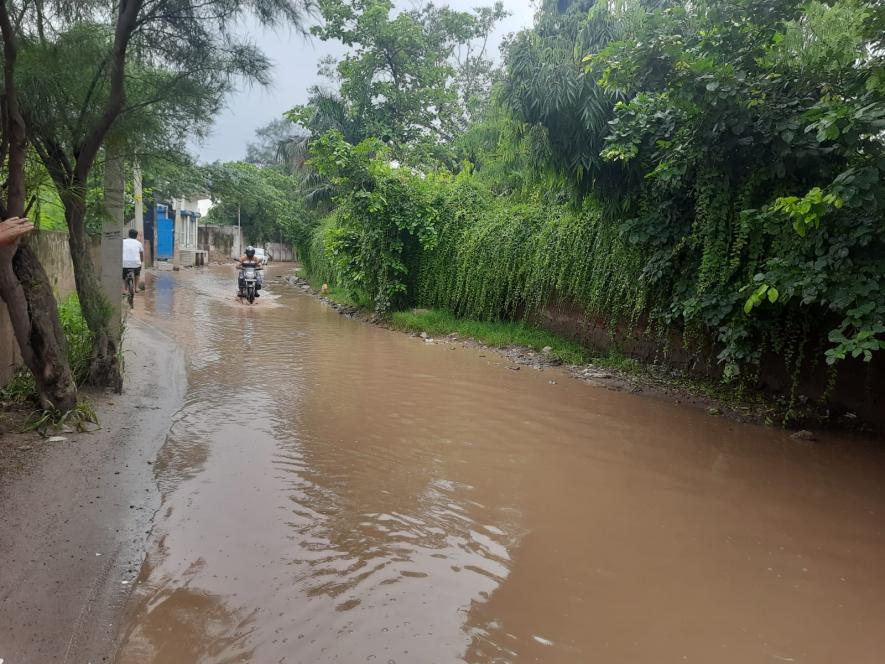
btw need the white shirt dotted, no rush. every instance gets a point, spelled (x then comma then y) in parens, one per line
(132, 250)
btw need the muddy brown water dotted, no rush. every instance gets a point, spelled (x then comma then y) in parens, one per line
(336, 492)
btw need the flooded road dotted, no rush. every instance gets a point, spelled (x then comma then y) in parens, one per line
(336, 492)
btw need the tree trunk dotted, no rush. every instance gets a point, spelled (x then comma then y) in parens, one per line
(34, 315)
(105, 368)
(23, 282)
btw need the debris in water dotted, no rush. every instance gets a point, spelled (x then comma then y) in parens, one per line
(804, 434)
(542, 640)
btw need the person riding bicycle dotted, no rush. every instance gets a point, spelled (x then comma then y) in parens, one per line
(133, 257)
(249, 259)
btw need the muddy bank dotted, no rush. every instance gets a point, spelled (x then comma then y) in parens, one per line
(74, 514)
(654, 381)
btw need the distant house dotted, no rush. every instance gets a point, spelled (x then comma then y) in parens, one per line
(175, 231)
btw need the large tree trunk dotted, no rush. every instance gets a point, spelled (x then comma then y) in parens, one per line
(23, 282)
(34, 316)
(105, 368)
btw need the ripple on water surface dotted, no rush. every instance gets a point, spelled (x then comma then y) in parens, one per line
(334, 492)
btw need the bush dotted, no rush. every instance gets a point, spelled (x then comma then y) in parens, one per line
(384, 219)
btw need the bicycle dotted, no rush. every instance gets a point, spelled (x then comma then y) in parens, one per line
(130, 288)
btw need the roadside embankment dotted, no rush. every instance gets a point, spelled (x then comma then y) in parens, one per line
(73, 521)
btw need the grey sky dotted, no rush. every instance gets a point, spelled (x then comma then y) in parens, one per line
(295, 61)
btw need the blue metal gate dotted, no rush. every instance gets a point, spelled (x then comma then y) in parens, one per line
(165, 233)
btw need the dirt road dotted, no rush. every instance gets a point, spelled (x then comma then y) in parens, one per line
(73, 529)
(336, 492)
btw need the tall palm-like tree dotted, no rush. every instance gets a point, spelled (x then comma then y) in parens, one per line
(324, 111)
(546, 85)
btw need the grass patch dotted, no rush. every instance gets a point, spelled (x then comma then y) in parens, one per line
(497, 334)
(338, 294)
(344, 297)
(42, 421)
(617, 361)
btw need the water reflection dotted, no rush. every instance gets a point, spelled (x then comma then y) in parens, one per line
(206, 628)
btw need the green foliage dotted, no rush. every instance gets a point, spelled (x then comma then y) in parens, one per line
(497, 334)
(729, 162)
(499, 258)
(48, 212)
(412, 78)
(79, 417)
(317, 262)
(78, 338)
(264, 197)
(751, 135)
(384, 219)
(545, 87)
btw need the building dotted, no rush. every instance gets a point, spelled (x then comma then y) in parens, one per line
(175, 231)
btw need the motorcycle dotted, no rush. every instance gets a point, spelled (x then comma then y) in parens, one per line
(249, 282)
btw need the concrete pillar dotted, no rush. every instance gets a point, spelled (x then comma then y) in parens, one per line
(112, 232)
(139, 212)
(177, 237)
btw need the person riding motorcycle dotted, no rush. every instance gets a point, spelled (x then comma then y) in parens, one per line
(248, 259)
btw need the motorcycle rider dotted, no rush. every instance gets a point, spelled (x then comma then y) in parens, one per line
(248, 258)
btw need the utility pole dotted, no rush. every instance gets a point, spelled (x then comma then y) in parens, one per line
(139, 200)
(112, 232)
(139, 211)
(239, 234)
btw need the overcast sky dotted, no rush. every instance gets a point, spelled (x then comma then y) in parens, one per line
(295, 61)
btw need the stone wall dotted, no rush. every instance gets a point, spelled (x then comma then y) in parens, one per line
(221, 244)
(52, 248)
(281, 253)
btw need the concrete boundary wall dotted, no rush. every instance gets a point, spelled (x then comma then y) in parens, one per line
(859, 387)
(223, 243)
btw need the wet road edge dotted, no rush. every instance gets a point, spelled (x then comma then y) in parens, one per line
(73, 530)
